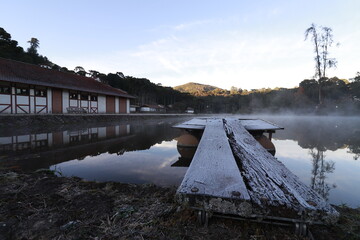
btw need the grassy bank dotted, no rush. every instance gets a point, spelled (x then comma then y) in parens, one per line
(42, 206)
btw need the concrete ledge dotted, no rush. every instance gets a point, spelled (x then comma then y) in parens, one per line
(24, 120)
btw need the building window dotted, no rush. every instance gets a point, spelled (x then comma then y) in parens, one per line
(84, 96)
(5, 90)
(40, 92)
(73, 95)
(93, 98)
(74, 139)
(22, 91)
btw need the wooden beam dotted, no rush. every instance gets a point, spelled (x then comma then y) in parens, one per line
(213, 170)
(269, 182)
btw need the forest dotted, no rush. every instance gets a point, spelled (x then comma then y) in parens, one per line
(323, 96)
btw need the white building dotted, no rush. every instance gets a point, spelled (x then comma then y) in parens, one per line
(27, 88)
(146, 108)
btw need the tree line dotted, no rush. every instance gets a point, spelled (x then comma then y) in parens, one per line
(321, 95)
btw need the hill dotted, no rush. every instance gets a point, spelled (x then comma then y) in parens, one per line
(198, 89)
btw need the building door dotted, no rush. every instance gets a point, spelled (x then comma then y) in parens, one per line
(110, 104)
(123, 105)
(56, 100)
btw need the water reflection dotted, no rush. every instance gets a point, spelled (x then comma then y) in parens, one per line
(331, 142)
(319, 150)
(325, 133)
(187, 144)
(33, 151)
(321, 168)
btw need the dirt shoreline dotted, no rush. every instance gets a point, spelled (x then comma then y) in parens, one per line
(41, 205)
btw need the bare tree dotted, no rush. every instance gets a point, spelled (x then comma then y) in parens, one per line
(322, 39)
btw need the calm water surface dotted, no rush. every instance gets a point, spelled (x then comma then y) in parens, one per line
(321, 151)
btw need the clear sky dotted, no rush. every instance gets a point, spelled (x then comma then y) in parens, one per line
(246, 44)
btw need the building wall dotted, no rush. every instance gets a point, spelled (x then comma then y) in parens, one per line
(6, 101)
(123, 105)
(94, 106)
(13, 100)
(31, 101)
(40, 100)
(85, 104)
(102, 104)
(22, 104)
(117, 105)
(56, 100)
(128, 106)
(65, 100)
(49, 100)
(110, 104)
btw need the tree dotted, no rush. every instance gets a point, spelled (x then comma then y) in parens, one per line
(322, 39)
(34, 45)
(357, 77)
(354, 86)
(80, 71)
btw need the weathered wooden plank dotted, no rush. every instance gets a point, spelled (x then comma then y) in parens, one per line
(213, 170)
(195, 123)
(190, 126)
(249, 124)
(269, 182)
(258, 124)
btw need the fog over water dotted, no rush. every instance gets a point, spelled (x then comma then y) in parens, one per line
(322, 151)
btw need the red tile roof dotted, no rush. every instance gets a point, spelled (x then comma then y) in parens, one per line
(19, 72)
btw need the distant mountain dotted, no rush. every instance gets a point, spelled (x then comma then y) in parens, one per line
(198, 89)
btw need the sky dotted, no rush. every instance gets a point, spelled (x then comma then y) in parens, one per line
(245, 44)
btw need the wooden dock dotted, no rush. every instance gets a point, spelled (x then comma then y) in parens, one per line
(231, 174)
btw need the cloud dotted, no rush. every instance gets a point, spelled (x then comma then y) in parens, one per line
(225, 59)
(221, 53)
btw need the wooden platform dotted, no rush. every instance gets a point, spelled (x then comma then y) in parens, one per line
(231, 173)
(249, 124)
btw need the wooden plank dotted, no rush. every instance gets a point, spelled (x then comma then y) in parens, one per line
(249, 124)
(269, 182)
(213, 170)
(195, 123)
(258, 124)
(190, 126)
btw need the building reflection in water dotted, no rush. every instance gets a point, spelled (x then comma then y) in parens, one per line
(40, 150)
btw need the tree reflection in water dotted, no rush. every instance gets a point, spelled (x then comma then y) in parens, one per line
(321, 168)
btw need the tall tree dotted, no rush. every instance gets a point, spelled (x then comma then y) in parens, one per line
(322, 39)
(34, 45)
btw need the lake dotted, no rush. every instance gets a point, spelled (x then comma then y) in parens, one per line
(322, 151)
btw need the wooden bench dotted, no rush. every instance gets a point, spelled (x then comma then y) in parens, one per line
(76, 110)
